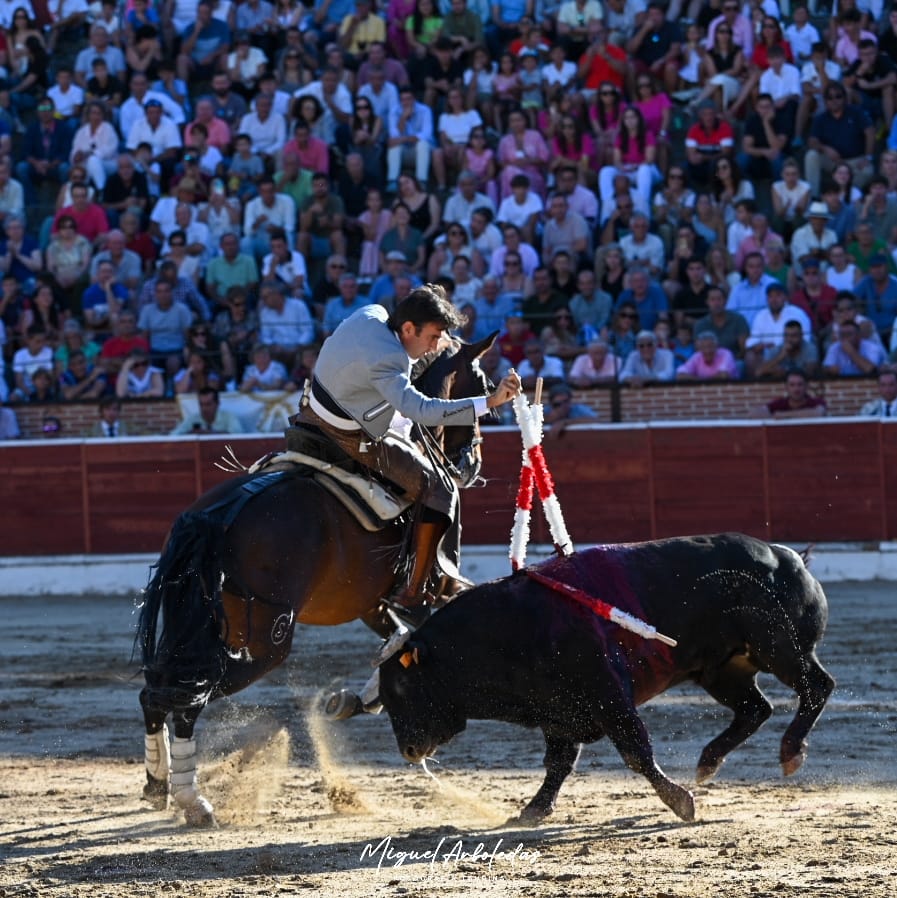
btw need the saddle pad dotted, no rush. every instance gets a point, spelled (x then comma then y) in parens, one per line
(384, 506)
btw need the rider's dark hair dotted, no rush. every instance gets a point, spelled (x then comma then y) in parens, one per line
(426, 305)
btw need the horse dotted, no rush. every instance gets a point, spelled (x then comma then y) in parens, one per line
(249, 559)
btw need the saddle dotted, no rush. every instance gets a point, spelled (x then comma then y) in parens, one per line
(372, 503)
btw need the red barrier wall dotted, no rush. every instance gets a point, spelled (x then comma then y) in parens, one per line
(831, 480)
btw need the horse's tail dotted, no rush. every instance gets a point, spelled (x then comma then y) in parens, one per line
(185, 662)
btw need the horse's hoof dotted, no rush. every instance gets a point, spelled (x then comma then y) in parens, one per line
(155, 793)
(680, 801)
(530, 816)
(793, 764)
(200, 815)
(342, 705)
(707, 771)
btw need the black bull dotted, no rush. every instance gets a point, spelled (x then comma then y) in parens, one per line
(517, 651)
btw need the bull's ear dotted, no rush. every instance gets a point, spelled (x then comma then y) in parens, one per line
(414, 653)
(480, 348)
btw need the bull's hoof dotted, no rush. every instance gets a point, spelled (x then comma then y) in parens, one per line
(680, 801)
(155, 793)
(342, 705)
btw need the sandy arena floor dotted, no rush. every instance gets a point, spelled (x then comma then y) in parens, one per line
(306, 805)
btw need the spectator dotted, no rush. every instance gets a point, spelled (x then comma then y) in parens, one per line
(647, 296)
(264, 373)
(815, 297)
(797, 401)
(851, 355)
(410, 138)
(731, 328)
(794, 353)
(9, 425)
(82, 380)
(647, 362)
(709, 362)
(321, 221)
(231, 268)
(877, 292)
(590, 306)
(565, 231)
(197, 374)
(885, 406)
(109, 423)
(841, 132)
(204, 45)
(596, 365)
(138, 379)
(707, 140)
(32, 357)
(45, 152)
(164, 322)
(561, 411)
(814, 239)
(340, 307)
(269, 212)
(768, 326)
(235, 326)
(642, 247)
(285, 323)
(536, 364)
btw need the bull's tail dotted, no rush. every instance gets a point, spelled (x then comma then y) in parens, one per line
(184, 662)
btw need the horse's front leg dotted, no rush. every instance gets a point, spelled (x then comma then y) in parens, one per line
(197, 809)
(157, 755)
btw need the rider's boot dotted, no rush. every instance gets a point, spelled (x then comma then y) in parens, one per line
(426, 541)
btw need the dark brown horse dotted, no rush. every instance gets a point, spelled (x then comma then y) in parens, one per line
(247, 561)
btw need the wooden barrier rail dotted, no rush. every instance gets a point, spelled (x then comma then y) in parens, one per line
(791, 481)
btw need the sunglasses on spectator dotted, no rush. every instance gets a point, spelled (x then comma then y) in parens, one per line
(238, 305)
(643, 345)
(608, 93)
(560, 403)
(628, 315)
(336, 265)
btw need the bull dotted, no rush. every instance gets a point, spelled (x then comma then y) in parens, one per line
(516, 650)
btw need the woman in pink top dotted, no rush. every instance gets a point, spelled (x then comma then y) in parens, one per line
(635, 152)
(710, 362)
(570, 144)
(479, 159)
(657, 109)
(522, 151)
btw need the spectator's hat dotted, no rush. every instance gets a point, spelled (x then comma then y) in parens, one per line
(878, 259)
(152, 104)
(396, 255)
(810, 262)
(818, 210)
(775, 285)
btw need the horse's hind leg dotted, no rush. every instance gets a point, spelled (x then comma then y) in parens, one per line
(157, 754)
(814, 685)
(734, 686)
(184, 789)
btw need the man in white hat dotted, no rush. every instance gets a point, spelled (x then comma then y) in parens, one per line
(814, 238)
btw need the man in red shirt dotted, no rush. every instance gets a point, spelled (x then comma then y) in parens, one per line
(815, 296)
(601, 62)
(90, 218)
(706, 140)
(797, 401)
(117, 348)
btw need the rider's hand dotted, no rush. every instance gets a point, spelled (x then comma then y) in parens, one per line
(506, 390)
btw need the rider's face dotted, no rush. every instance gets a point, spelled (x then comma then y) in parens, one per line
(417, 343)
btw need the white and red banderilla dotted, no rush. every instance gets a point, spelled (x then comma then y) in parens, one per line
(534, 474)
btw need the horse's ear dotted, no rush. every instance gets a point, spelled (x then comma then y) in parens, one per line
(476, 350)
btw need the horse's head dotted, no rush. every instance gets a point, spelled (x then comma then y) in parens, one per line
(455, 373)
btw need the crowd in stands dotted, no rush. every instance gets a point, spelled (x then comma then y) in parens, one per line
(195, 193)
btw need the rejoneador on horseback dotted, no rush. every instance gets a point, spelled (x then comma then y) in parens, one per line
(362, 382)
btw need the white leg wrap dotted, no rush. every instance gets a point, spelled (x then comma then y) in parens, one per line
(157, 754)
(183, 771)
